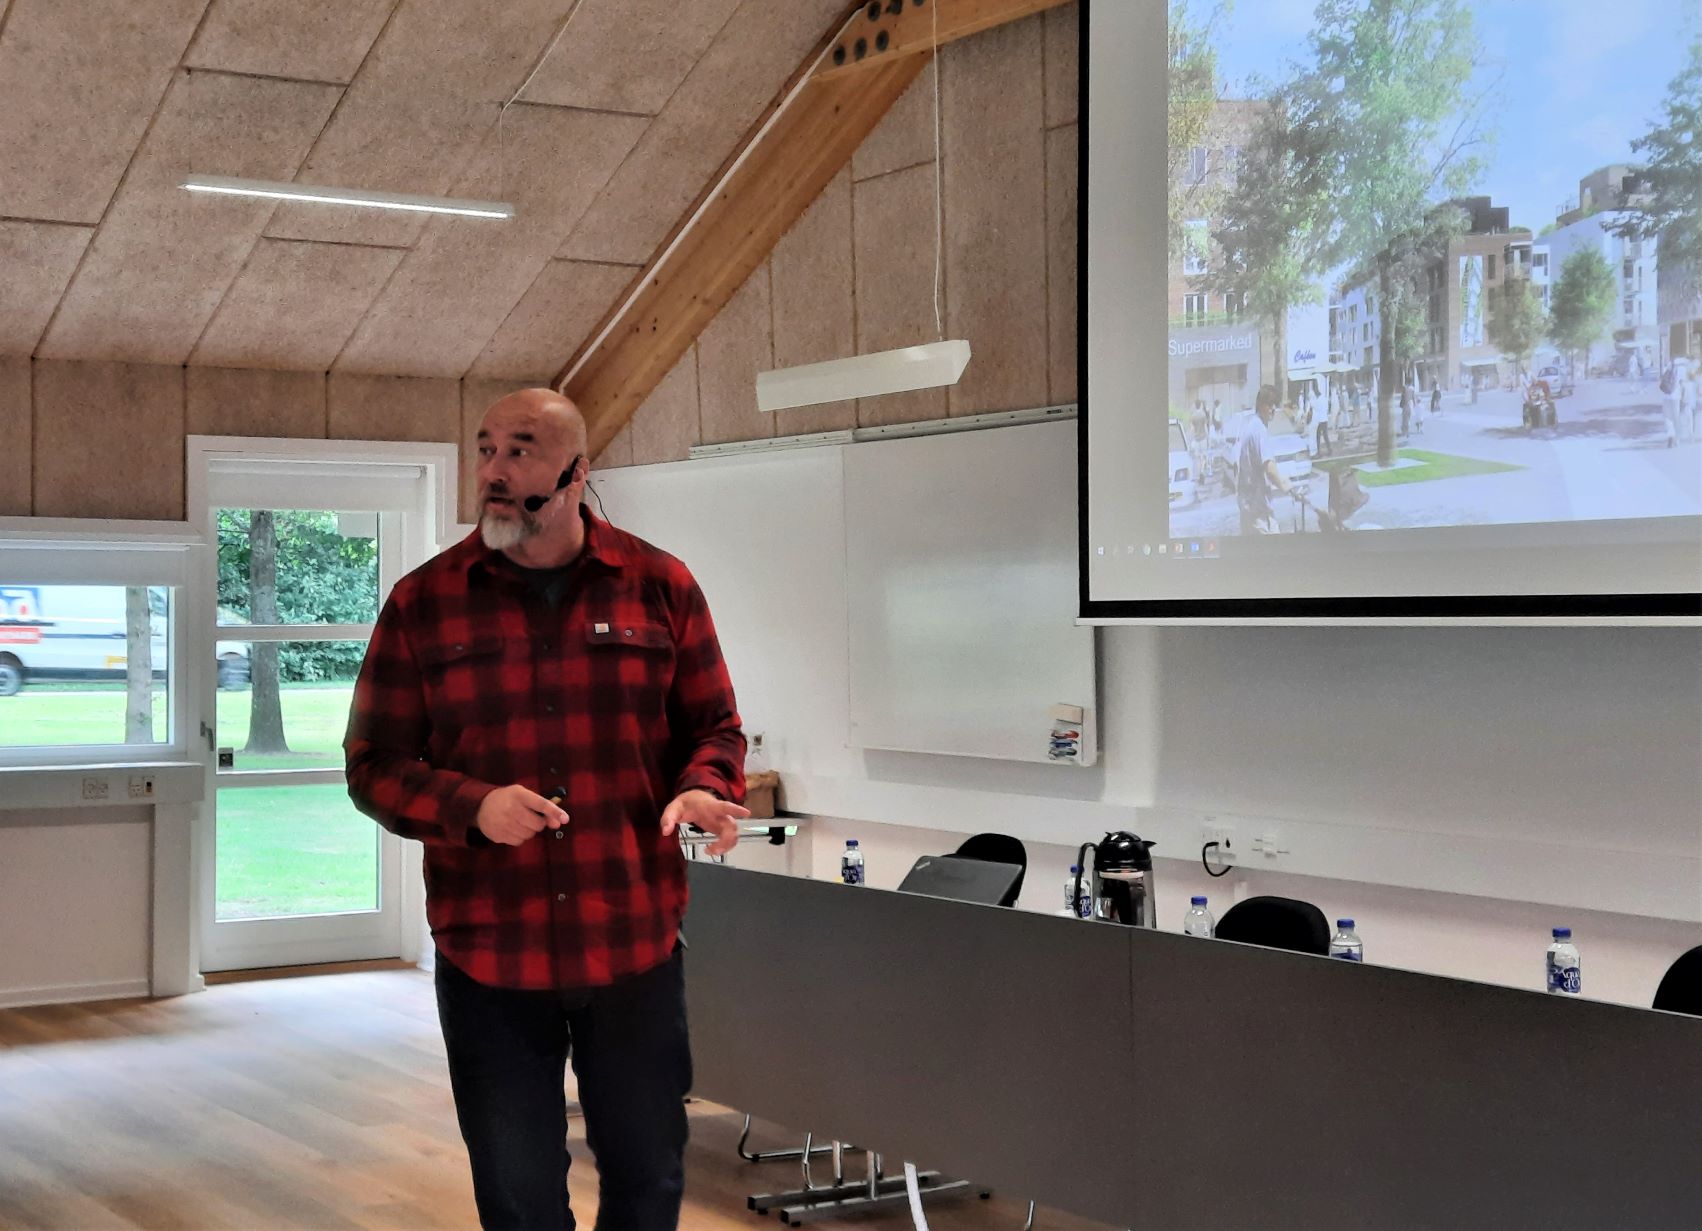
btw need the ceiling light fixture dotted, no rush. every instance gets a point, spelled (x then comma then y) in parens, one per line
(928, 366)
(276, 190)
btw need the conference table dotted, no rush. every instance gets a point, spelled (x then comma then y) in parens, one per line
(1151, 1079)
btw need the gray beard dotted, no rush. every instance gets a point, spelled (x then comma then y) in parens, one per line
(500, 535)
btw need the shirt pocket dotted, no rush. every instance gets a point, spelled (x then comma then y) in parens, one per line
(632, 660)
(463, 682)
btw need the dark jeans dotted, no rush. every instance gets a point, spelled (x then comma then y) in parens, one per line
(508, 1053)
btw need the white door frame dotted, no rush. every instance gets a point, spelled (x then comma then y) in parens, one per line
(183, 839)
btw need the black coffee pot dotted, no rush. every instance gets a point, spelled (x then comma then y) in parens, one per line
(1121, 879)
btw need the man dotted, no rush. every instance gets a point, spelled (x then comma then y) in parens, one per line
(543, 706)
(1254, 474)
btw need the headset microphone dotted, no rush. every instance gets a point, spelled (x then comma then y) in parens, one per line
(534, 503)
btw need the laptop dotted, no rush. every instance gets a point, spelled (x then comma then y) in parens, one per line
(961, 880)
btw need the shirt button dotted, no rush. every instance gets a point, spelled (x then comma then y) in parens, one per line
(549, 709)
(560, 835)
(561, 897)
(629, 632)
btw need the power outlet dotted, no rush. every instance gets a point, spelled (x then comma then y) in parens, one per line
(1228, 846)
(141, 786)
(96, 788)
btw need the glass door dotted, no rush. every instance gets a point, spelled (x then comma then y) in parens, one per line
(296, 875)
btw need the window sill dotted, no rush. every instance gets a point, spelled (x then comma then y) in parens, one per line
(34, 788)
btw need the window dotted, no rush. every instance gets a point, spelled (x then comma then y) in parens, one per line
(1489, 266)
(90, 643)
(1232, 304)
(1539, 261)
(1198, 159)
(1194, 308)
(1630, 268)
(1231, 161)
(1194, 241)
(84, 665)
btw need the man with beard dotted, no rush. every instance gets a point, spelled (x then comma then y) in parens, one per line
(543, 706)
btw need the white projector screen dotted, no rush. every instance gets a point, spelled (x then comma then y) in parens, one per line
(1453, 246)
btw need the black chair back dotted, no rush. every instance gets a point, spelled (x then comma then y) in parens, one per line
(1277, 923)
(1681, 988)
(998, 848)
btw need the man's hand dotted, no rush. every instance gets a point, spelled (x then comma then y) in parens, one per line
(709, 814)
(512, 815)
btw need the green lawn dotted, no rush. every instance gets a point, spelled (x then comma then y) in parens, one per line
(39, 717)
(300, 850)
(1436, 466)
(314, 718)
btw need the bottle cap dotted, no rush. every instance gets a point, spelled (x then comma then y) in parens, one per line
(1563, 933)
(1345, 923)
(1197, 901)
(850, 842)
(1075, 870)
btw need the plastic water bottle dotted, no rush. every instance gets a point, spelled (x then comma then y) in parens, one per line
(1198, 921)
(851, 863)
(1563, 975)
(1078, 907)
(1346, 943)
(1070, 892)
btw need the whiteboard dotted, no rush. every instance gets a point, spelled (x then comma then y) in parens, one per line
(960, 567)
(764, 536)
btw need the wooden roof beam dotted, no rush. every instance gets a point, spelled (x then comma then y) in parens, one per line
(824, 113)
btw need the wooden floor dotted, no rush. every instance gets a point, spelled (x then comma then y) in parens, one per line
(315, 1102)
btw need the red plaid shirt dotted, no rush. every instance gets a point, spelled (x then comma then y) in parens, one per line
(618, 697)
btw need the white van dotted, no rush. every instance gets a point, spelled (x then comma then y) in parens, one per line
(79, 633)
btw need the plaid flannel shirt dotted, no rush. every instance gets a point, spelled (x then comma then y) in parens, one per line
(618, 699)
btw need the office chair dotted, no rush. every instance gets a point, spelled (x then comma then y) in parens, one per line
(1681, 987)
(1277, 923)
(997, 848)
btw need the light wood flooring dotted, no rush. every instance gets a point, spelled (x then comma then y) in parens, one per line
(305, 1102)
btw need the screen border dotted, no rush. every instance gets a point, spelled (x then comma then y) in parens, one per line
(1463, 608)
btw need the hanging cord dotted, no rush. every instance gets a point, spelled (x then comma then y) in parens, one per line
(1227, 868)
(939, 192)
(601, 512)
(501, 150)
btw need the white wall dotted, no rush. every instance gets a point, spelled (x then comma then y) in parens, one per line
(75, 909)
(1455, 935)
(1528, 766)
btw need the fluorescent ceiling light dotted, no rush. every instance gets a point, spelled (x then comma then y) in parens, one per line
(863, 376)
(225, 185)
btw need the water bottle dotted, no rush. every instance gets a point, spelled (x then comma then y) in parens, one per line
(1198, 921)
(1071, 907)
(851, 863)
(1346, 943)
(1078, 907)
(1563, 964)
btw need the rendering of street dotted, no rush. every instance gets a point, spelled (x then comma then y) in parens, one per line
(1417, 202)
(1474, 463)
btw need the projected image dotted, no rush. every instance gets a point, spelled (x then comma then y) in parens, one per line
(1433, 263)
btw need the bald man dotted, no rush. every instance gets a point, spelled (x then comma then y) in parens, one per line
(543, 706)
